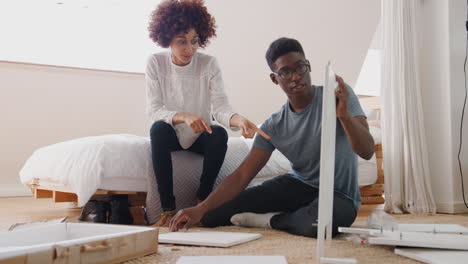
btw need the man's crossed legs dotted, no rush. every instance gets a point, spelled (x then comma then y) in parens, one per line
(283, 203)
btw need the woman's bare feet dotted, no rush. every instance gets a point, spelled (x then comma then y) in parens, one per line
(165, 218)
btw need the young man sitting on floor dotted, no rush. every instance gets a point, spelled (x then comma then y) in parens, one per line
(290, 202)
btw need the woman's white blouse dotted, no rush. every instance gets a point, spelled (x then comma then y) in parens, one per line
(196, 88)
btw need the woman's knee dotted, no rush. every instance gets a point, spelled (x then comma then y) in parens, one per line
(219, 134)
(160, 129)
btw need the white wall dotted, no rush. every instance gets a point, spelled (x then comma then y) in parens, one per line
(43, 105)
(441, 55)
(335, 30)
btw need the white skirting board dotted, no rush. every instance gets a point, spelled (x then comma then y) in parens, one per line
(14, 190)
(434, 256)
(207, 238)
(457, 207)
(232, 260)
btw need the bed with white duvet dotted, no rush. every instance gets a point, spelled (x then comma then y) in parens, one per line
(121, 162)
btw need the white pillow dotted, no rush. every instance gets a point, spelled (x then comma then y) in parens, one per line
(371, 113)
(367, 171)
(376, 133)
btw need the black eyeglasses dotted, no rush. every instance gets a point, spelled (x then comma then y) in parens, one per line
(300, 70)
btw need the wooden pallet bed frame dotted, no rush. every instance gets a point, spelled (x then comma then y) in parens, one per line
(374, 193)
(64, 194)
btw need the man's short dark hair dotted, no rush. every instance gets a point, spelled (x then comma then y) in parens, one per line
(281, 47)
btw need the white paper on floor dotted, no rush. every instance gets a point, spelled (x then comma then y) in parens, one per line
(232, 260)
(434, 256)
(207, 238)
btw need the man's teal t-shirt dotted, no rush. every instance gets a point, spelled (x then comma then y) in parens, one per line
(298, 136)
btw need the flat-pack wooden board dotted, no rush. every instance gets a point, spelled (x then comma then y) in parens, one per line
(77, 243)
(421, 240)
(324, 260)
(327, 162)
(422, 228)
(434, 228)
(207, 238)
(233, 260)
(434, 256)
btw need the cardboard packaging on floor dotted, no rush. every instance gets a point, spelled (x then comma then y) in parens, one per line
(77, 243)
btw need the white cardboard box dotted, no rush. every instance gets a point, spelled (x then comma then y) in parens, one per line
(77, 243)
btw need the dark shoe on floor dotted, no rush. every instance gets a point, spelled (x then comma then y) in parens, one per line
(94, 211)
(119, 210)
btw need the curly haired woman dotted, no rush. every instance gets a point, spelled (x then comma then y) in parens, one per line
(185, 91)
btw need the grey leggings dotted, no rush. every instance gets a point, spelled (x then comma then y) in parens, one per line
(297, 201)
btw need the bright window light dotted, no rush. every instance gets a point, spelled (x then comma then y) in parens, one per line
(96, 34)
(368, 82)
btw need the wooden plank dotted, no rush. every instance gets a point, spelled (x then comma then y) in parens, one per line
(379, 158)
(54, 188)
(38, 194)
(373, 200)
(59, 197)
(68, 190)
(65, 194)
(372, 190)
(106, 192)
(378, 150)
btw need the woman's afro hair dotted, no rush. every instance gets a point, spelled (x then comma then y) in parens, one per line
(173, 17)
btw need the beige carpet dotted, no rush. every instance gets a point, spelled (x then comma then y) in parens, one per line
(298, 249)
